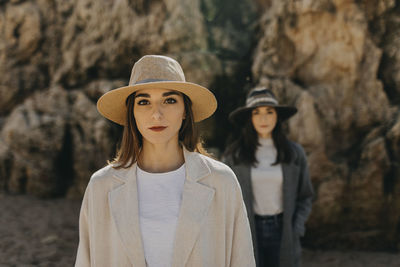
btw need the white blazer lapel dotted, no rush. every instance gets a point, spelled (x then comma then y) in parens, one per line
(125, 212)
(196, 200)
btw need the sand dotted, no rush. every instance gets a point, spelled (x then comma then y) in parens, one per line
(36, 232)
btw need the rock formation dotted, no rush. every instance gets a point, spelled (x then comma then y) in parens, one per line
(58, 57)
(324, 57)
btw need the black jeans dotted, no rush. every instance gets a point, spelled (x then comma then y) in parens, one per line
(269, 235)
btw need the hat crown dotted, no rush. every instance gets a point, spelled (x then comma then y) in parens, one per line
(152, 68)
(263, 95)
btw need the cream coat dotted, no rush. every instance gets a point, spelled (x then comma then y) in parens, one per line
(212, 229)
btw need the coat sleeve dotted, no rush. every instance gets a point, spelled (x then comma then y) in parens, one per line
(305, 194)
(242, 245)
(83, 254)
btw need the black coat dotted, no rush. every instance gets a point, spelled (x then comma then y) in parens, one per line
(297, 200)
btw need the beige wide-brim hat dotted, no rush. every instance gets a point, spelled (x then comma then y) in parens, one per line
(159, 72)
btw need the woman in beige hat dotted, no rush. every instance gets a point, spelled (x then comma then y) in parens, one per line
(160, 202)
(273, 175)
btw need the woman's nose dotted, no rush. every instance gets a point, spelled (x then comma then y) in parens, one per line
(264, 118)
(156, 112)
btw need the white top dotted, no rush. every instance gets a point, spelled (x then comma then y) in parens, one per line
(159, 196)
(267, 180)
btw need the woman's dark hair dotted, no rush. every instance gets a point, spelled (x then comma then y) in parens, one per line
(132, 140)
(242, 149)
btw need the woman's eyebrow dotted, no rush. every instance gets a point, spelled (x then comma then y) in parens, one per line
(164, 94)
(142, 95)
(170, 93)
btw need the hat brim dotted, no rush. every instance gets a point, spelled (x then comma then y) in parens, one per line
(241, 114)
(112, 105)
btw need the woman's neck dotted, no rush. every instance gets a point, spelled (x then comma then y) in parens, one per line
(160, 157)
(265, 141)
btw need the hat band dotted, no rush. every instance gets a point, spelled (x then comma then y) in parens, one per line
(261, 99)
(152, 80)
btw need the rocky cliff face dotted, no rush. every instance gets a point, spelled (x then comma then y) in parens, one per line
(58, 57)
(337, 61)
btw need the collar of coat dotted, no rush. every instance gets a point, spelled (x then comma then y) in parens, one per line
(196, 200)
(195, 167)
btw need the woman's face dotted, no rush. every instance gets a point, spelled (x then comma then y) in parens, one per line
(159, 114)
(264, 120)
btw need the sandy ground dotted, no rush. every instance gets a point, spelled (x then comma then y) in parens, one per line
(36, 232)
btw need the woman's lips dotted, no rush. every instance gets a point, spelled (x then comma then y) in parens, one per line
(157, 128)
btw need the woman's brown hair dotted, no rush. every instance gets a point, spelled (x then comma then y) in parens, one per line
(132, 140)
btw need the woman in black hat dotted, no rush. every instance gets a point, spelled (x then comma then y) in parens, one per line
(273, 174)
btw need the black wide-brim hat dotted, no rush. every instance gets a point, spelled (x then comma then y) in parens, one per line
(260, 97)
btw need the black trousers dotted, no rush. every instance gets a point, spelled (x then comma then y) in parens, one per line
(269, 235)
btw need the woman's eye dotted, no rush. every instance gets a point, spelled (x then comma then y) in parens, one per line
(170, 101)
(143, 102)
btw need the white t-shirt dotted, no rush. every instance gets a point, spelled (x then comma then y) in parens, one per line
(267, 180)
(160, 197)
